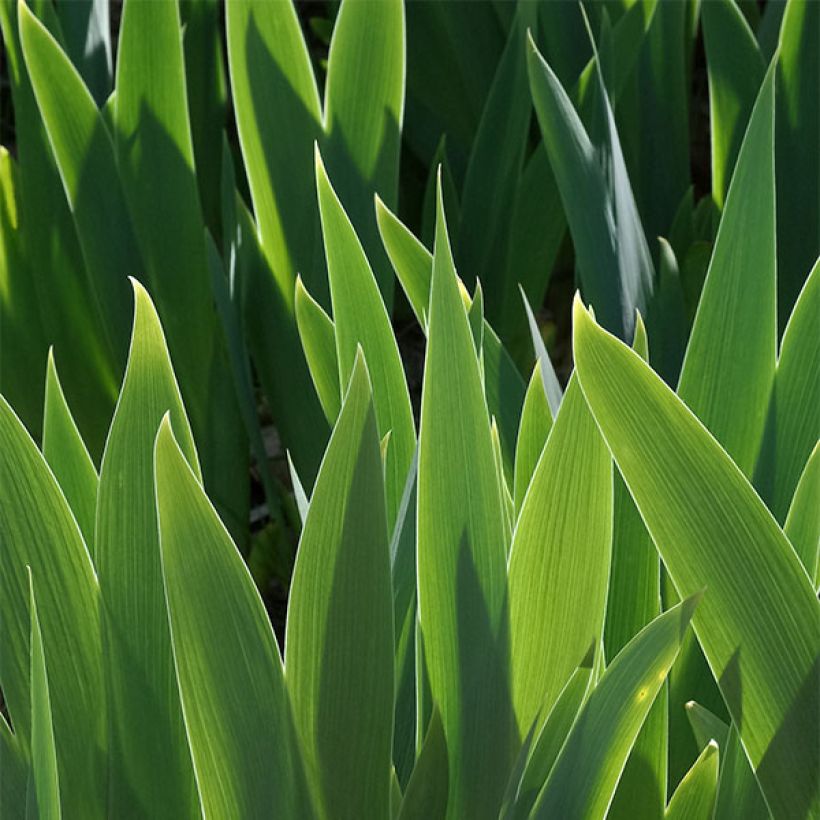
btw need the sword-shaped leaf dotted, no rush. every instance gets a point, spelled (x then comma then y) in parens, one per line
(462, 582)
(237, 714)
(758, 626)
(339, 642)
(583, 780)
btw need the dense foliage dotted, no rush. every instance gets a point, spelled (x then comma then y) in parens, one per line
(581, 588)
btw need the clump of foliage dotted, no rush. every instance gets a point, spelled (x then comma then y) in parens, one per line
(518, 591)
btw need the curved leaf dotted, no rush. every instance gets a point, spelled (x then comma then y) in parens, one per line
(585, 775)
(245, 754)
(758, 627)
(803, 521)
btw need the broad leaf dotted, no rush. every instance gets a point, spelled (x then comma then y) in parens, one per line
(585, 775)
(40, 532)
(148, 757)
(339, 642)
(461, 555)
(758, 630)
(244, 750)
(559, 560)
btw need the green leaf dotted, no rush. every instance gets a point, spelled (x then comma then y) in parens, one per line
(729, 366)
(14, 770)
(149, 761)
(634, 600)
(694, 798)
(364, 109)
(793, 426)
(541, 754)
(736, 69)
(85, 156)
(207, 100)
(559, 560)
(585, 775)
(503, 384)
(461, 555)
(425, 797)
(613, 260)
(246, 758)
(156, 162)
(738, 792)
(87, 34)
(66, 454)
(278, 356)
(552, 388)
(360, 318)
(40, 532)
(653, 111)
(318, 335)
(757, 628)
(536, 423)
(339, 641)
(803, 521)
(489, 192)
(666, 318)
(44, 772)
(706, 726)
(411, 261)
(272, 82)
(798, 171)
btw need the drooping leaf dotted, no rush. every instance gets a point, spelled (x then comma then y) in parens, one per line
(245, 754)
(360, 318)
(729, 365)
(339, 642)
(461, 555)
(694, 798)
(559, 560)
(585, 775)
(757, 630)
(614, 265)
(148, 755)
